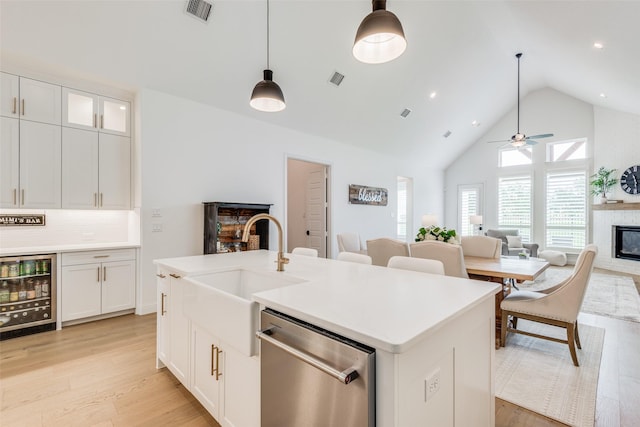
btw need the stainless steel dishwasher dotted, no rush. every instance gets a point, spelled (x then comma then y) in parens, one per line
(312, 377)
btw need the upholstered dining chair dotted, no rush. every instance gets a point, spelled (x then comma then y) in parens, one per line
(416, 264)
(380, 250)
(481, 246)
(305, 251)
(557, 306)
(354, 257)
(350, 242)
(448, 253)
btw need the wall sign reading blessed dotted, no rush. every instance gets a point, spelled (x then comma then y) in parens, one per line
(22, 220)
(363, 195)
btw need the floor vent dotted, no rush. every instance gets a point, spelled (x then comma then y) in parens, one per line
(405, 113)
(199, 9)
(336, 78)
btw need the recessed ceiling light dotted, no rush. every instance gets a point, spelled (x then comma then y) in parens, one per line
(603, 95)
(598, 45)
(432, 95)
(475, 123)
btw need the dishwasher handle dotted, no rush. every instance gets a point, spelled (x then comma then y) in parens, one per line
(344, 377)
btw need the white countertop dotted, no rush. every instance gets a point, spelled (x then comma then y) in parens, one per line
(33, 250)
(385, 308)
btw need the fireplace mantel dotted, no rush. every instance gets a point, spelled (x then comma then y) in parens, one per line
(616, 207)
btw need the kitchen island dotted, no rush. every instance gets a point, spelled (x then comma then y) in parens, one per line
(426, 330)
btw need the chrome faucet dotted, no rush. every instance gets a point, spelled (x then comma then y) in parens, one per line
(247, 230)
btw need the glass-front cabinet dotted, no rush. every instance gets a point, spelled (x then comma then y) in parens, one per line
(84, 110)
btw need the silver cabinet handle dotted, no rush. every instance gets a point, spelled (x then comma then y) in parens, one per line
(344, 377)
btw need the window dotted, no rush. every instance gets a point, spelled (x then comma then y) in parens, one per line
(469, 198)
(566, 150)
(566, 209)
(514, 204)
(510, 156)
(405, 207)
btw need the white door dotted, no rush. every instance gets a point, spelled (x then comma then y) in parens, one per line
(9, 95)
(316, 211)
(204, 386)
(9, 162)
(115, 172)
(40, 101)
(79, 169)
(40, 165)
(118, 286)
(80, 291)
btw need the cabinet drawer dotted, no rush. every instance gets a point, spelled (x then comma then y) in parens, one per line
(87, 257)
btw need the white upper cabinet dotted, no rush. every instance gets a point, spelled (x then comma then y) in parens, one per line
(30, 99)
(84, 110)
(114, 175)
(9, 162)
(79, 169)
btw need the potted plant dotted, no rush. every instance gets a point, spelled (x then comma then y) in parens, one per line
(602, 181)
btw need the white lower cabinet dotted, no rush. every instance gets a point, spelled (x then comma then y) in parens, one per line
(225, 382)
(96, 283)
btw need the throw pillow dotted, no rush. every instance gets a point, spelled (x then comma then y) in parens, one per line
(514, 241)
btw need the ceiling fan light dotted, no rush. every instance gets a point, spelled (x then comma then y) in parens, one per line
(267, 95)
(380, 37)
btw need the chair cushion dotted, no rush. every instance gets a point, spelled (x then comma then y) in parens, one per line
(523, 295)
(554, 257)
(514, 241)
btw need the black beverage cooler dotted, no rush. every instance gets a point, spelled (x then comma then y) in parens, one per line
(224, 223)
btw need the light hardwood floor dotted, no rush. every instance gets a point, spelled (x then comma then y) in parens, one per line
(103, 374)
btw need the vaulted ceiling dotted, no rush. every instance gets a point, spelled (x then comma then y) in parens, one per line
(461, 50)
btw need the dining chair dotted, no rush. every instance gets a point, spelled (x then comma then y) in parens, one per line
(416, 264)
(380, 250)
(354, 257)
(481, 246)
(305, 251)
(349, 242)
(558, 305)
(448, 253)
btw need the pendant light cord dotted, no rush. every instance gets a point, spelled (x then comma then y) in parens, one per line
(518, 55)
(268, 35)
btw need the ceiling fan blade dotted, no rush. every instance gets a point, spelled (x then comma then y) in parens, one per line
(543, 135)
(499, 140)
(531, 142)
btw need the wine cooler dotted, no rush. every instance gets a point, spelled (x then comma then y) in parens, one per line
(27, 295)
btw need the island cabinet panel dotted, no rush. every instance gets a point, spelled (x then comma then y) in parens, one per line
(179, 331)
(163, 340)
(459, 359)
(208, 369)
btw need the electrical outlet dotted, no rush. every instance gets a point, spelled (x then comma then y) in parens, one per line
(156, 227)
(155, 212)
(432, 385)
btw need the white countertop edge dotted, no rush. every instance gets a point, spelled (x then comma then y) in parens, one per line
(367, 339)
(32, 250)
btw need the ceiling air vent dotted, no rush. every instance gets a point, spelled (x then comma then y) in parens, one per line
(199, 9)
(405, 113)
(336, 78)
(447, 133)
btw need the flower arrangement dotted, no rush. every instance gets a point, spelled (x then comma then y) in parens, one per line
(436, 233)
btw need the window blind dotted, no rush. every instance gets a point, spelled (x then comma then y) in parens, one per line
(469, 205)
(566, 209)
(514, 205)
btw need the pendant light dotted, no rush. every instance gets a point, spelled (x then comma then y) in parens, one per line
(267, 95)
(380, 37)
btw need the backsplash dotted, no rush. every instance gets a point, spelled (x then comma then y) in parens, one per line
(70, 227)
(603, 222)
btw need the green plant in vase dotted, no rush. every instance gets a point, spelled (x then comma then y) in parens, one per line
(602, 181)
(436, 233)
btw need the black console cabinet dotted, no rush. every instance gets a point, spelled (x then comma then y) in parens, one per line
(224, 223)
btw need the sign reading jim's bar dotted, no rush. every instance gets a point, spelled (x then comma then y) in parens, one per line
(363, 195)
(22, 220)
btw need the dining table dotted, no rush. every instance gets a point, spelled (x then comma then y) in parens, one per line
(507, 271)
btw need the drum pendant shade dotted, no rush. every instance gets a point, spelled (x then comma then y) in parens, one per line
(380, 37)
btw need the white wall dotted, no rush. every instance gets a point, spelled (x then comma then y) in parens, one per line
(542, 111)
(192, 153)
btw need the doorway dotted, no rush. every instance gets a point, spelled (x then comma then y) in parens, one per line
(307, 205)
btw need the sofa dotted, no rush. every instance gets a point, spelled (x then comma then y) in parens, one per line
(513, 250)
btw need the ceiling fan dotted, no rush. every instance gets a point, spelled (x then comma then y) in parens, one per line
(519, 139)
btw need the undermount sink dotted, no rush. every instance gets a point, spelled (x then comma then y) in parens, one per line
(221, 303)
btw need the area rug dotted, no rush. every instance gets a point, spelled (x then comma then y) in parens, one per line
(539, 375)
(607, 294)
